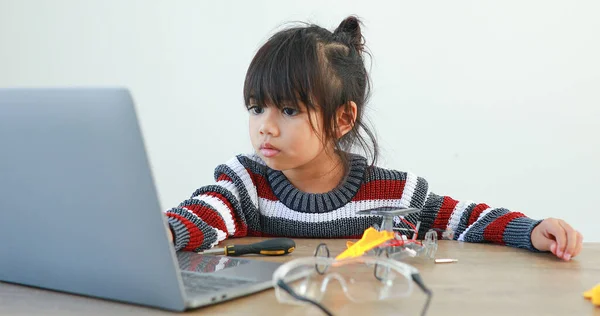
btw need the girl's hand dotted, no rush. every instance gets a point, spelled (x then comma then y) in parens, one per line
(558, 237)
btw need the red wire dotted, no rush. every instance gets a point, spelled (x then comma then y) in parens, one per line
(411, 226)
(402, 242)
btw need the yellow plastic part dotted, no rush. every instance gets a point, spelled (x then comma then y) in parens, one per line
(272, 252)
(371, 238)
(593, 294)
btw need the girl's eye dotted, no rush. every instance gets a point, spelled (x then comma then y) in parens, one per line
(289, 111)
(255, 109)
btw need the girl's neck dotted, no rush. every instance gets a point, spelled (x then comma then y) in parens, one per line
(320, 175)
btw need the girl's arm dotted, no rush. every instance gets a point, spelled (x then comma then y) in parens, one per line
(479, 222)
(470, 221)
(215, 212)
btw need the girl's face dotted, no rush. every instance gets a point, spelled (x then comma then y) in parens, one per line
(284, 138)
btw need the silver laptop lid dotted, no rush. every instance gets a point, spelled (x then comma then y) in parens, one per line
(79, 208)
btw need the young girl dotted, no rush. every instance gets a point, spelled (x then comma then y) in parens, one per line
(305, 92)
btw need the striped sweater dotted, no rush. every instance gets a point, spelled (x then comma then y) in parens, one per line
(251, 199)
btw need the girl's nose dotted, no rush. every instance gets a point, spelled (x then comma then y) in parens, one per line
(269, 126)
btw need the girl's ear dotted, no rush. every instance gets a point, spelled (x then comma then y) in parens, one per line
(345, 117)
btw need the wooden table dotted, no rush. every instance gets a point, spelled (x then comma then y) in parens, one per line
(486, 280)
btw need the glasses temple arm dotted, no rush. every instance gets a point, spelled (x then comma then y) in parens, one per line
(417, 278)
(291, 292)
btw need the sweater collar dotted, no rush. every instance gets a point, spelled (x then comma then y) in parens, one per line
(304, 202)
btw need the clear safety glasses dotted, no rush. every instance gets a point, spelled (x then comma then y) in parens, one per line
(362, 279)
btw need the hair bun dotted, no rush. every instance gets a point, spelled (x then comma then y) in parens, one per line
(349, 32)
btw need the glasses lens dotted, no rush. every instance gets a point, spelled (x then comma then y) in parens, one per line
(371, 282)
(303, 280)
(360, 279)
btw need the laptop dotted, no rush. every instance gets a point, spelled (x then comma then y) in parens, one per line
(80, 212)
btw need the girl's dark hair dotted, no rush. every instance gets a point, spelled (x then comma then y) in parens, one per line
(323, 70)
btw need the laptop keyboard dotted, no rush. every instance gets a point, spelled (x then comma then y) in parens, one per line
(202, 283)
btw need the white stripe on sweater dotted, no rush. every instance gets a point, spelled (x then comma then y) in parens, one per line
(484, 213)
(230, 186)
(220, 237)
(241, 172)
(223, 210)
(409, 189)
(276, 209)
(457, 214)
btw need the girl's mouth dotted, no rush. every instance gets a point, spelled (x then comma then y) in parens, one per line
(268, 150)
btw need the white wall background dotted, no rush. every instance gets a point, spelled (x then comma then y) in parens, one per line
(494, 101)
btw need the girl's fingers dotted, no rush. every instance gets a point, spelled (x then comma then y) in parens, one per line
(561, 237)
(571, 239)
(579, 244)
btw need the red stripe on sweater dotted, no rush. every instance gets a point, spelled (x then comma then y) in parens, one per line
(494, 232)
(224, 177)
(240, 227)
(443, 215)
(208, 216)
(262, 186)
(380, 189)
(196, 235)
(477, 210)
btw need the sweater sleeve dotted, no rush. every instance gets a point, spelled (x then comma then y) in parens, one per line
(215, 212)
(469, 221)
